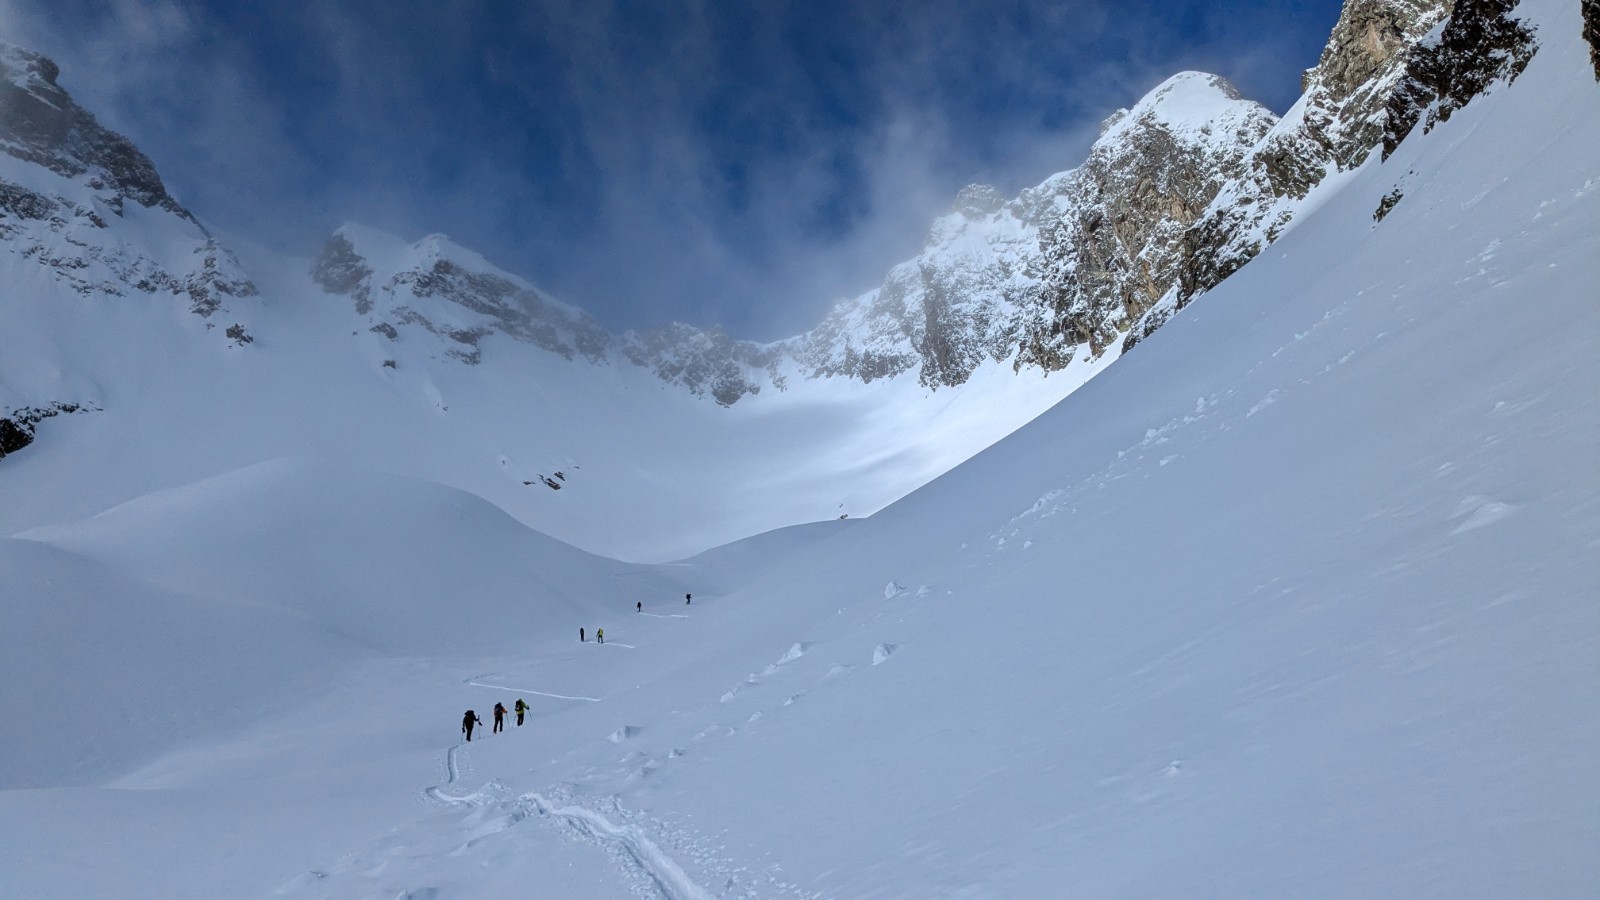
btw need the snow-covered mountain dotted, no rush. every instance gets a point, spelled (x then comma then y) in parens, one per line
(1298, 599)
(139, 352)
(434, 362)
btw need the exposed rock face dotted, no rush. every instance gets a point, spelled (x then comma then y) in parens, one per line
(956, 306)
(1336, 124)
(1119, 248)
(41, 123)
(62, 219)
(339, 270)
(451, 293)
(705, 362)
(1591, 32)
(17, 427)
(1480, 44)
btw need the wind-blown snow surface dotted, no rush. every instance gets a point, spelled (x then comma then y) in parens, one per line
(1298, 599)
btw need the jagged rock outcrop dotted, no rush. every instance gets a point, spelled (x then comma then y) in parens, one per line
(41, 123)
(340, 270)
(61, 218)
(961, 303)
(1481, 44)
(1591, 32)
(440, 288)
(1337, 123)
(18, 426)
(1119, 248)
(705, 362)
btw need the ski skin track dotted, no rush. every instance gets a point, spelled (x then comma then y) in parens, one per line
(668, 877)
(501, 687)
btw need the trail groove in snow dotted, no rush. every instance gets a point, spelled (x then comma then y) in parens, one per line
(452, 772)
(669, 878)
(514, 690)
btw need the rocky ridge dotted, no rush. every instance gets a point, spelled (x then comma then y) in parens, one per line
(45, 126)
(1336, 124)
(62, 216)
(1480, 45)
(1118, 248)
(444, 290)
(1591, 32)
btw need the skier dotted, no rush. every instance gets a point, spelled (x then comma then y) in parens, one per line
(468, 721)
(639, 607)
(581, 638)
(499, 717)
(600, 635)
(687, 599)
(522, 708)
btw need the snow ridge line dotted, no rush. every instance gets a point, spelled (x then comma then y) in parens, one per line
(669, 878)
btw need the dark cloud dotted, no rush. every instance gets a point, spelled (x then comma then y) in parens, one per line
(714, 162)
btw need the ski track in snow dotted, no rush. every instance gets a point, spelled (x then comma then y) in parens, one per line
(452, 771)
(515, 690)
(668, 877)
(628, 841)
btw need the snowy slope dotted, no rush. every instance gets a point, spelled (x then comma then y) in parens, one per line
(1296, 599)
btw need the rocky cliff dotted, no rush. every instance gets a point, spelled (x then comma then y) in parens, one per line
(66, 179)
(41, 123)
(1118, 249)
(437, 287)
(1336, 124)
(1591, 32)
(1480, 45)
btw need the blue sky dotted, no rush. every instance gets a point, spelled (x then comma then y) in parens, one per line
(734, 163)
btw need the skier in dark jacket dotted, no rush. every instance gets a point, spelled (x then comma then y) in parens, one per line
(468, 721)
(687, 599)
(639, 607)
(499, 717)
(522, 709)
(581, 637)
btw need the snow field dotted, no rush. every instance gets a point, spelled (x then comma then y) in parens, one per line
(1297, 599)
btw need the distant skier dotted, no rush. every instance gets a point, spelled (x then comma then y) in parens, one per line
(639, 607)
(581, 638)
(467, 723)
(687, 599)
(522, 709)
(600, 635)
(499, 717)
